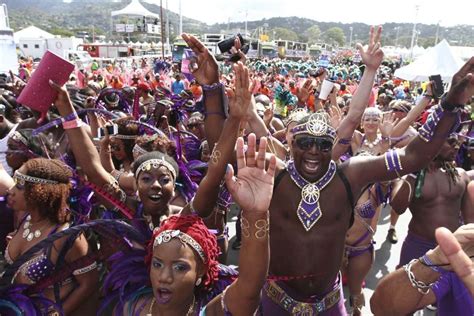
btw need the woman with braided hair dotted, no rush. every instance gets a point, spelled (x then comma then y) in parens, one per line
(41, 191)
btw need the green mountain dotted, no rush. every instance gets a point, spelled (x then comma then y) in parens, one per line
(62, 18)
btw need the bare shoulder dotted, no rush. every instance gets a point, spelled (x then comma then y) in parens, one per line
(465, 177)
(470, 174)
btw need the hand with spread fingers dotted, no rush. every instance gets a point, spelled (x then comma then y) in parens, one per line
(462, 86)
(387, 125)
(240, 95)
(253, 187)
(203, 66)
(303, 93)
(372, 56)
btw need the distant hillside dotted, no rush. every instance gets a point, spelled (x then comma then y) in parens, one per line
(83, 15)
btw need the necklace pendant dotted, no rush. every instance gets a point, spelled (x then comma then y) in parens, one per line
(26, 232)
(308, 214)
(29, 237)
(37, 233)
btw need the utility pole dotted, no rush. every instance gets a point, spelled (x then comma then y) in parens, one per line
(396, 36)
(246, 15)
(413, 35)
(180, 19)
(437, 32)
(162, 25)
(350, 37)
(167, 26)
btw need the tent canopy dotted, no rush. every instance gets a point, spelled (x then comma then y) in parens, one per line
(438, 60)
(135, 8)
(31, 32)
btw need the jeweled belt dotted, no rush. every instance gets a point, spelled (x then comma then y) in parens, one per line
(297, 308)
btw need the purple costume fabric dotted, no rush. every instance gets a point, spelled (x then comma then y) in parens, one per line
(452, 296)
(269, 308)
(414, 247)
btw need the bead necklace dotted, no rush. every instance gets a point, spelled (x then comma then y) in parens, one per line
(372, 144)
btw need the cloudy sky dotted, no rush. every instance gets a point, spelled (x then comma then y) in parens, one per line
(448, 13)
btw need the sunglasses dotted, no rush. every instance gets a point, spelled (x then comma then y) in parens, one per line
(193, 125)
(307, 142)
(115, 147)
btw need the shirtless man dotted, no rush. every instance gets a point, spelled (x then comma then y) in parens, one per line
(437, 196)
(311, 208)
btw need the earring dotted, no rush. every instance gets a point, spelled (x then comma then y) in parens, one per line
(198, 281)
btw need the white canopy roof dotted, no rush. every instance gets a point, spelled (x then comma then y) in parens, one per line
(31, 32)
(135, 8)
(438, 60)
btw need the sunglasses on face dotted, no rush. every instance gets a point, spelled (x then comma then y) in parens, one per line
(115, 147)
(307, 142)
(193, 125)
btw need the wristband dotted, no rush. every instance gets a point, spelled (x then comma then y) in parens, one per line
(212, 87)
(73, 124)
(425, 260)
(450, 107)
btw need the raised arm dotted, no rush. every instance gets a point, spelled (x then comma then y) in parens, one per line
(371, 57)
(413, 115)
(252, 190)
(239, 99)
(423, 148)
(206, 71)
(84, 150)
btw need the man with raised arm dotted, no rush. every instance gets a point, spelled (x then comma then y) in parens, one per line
(311, 209)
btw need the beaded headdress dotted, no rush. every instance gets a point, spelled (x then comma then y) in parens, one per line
(22, 178)
(17, 137)
(138, 150)
(317, 125)
(121, 136)
(155, 163)
(166, 236)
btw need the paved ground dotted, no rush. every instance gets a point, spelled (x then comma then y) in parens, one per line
(386, 254)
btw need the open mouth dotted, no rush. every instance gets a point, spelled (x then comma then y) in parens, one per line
(310, 165)
(163, 296)
(155, 197)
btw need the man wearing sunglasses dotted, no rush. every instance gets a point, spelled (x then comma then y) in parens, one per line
(439, 197)
(313, 200)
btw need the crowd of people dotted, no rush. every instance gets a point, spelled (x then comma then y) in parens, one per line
(116, 202)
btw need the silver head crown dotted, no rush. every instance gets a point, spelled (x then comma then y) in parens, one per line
(22, 178)
(166, 236)
(155, 164)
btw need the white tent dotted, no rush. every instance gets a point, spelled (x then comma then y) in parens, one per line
(31, 32)
(438, 60)
(135, 8)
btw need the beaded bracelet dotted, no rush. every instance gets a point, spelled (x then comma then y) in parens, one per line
(212, 87)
